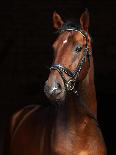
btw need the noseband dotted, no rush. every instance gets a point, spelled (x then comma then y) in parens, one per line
(70, 84)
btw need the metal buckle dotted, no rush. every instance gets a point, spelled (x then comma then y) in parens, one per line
(70, 85)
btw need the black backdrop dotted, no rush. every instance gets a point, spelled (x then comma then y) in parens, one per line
(26, 36)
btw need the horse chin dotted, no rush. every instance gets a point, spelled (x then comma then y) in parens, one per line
(60, 98)
(57, 98)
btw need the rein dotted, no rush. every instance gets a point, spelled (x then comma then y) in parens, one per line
(70, 84)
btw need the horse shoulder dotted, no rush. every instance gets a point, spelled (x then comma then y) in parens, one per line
(19, 117)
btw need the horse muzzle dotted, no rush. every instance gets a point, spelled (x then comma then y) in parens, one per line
(54, 91)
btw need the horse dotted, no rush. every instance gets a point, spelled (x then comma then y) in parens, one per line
(68, 125)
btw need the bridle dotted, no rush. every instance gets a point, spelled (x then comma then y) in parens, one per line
(70, 84)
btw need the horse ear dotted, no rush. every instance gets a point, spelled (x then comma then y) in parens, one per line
(84, 20)
(57, 21)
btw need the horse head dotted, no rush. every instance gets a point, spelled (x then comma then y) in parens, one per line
(72, 50)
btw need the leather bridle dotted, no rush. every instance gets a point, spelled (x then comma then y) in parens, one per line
(70, 84)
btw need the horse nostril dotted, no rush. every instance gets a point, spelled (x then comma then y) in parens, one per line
(59, 86)
(55, 89)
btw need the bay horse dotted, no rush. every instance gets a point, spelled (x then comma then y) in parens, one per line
(68, 126)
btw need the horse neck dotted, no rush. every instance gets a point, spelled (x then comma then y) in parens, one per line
(87, 91)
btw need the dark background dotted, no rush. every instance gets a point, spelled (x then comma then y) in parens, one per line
(26, 36)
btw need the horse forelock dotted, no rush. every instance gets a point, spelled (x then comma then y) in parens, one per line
(69, 25)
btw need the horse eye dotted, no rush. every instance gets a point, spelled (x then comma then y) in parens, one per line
(78, 48)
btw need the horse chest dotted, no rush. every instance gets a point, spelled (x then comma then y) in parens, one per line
(67, 138)
(53, 134)
(47, 136)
